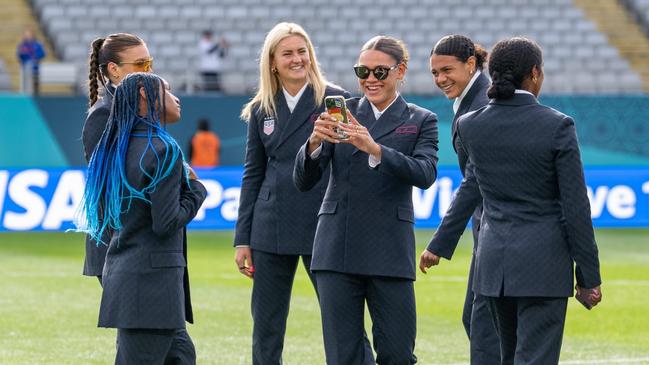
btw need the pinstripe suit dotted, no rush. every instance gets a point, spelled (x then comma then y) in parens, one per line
(485, 348)
(535, 224)
(275, 219)
(364, 243)
(145, 279)
(93, 127)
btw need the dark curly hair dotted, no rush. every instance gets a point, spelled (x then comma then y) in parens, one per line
(511, 62)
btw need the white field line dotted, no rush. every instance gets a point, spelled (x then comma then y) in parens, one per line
(637, 360)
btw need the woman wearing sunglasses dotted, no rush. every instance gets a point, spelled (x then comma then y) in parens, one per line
(364, 248)
(456, 64)
(139, 186)
(276, 223)
(111, 59)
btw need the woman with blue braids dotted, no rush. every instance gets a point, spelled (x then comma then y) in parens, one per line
(139, 187)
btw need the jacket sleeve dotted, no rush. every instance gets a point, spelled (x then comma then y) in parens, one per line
(174, 203)
(254, 172)
(467, 199)
(575, 205)
(420, 169)
(307, 171)
(93, 128)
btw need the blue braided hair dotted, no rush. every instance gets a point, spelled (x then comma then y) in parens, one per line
(107, 187)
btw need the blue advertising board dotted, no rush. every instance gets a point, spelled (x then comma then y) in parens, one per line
(47, 199)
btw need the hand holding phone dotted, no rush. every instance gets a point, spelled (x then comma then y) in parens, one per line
(336, 108)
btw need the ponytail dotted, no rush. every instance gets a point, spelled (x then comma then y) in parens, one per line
(95, 72)
(510, 63)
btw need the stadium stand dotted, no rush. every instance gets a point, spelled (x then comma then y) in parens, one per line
(641, 9)
(579, 58)
(5, 79)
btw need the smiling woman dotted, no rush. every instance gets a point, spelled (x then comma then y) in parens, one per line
(276, 223)
(363, 252)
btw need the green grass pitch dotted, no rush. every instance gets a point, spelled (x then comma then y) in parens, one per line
(48, 311)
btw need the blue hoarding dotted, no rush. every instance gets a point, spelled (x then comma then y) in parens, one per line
(47, 199)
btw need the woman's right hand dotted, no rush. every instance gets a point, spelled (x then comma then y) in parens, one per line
(243, 259)
(323, 130)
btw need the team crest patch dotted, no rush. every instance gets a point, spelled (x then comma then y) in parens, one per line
(269, 125)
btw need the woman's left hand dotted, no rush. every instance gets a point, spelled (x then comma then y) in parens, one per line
(360, 137)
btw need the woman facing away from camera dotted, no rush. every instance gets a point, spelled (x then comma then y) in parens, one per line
(536, 221)
(456, 64)
(111, 59)
(139, 187)
(364, 248)
(276, 222)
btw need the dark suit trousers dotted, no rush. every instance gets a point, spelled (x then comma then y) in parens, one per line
(271, 297)
(154, 347)
(391, 303)
(479, 326)
(530, 329)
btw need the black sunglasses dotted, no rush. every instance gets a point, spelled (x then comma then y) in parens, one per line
(380, 72)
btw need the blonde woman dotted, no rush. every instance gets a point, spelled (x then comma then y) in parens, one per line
(276, 222)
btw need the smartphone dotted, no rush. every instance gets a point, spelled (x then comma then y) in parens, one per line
(336, 108)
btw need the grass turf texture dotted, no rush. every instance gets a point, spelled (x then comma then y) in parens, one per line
(48, 311)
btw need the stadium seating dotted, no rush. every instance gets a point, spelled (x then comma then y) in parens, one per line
(5, 79)
(641, 8)
(578, 58)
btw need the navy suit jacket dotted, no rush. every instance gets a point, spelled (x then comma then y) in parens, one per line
(273, 215)
(92, 130)
(468, 200)
(366, 220)
(536, 219)
(145, 278)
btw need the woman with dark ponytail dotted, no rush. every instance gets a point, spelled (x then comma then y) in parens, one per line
(456, 64)
(140, 188)
(111, 59)
(536, 221)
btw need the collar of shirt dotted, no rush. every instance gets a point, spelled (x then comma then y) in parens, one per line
(377, 112)
(519, 91)
(292, 101)
(458, 100)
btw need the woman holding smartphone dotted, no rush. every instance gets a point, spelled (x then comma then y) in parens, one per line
(364, 248)
(139, 187)
(276, 222)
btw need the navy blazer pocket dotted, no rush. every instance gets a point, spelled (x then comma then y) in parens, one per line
(406, 214)
(167, 259)
(328, 208)
(264, 193)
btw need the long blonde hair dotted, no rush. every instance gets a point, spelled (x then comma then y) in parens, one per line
(269, 83)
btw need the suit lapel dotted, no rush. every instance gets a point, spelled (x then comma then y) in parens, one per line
(281, 120)
(301, 114)
(465, 105)
(388, 121)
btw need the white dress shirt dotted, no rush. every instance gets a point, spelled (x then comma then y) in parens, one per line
(292, 101)
(458, 100)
